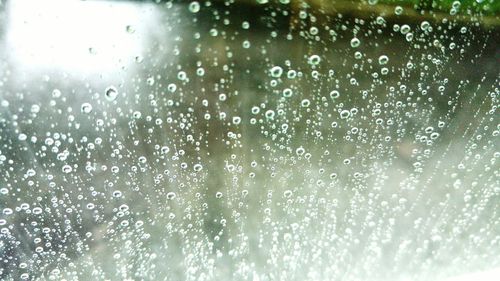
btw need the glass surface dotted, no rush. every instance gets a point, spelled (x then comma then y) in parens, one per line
(249, 140)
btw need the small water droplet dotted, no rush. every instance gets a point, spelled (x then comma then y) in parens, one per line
(67, 169)
(276, 71)
(344, 114)
(383, 59)
(111, 93)
(355, 42)
(398, 10)
(305, 103)
(197, 167)
(86, 108)
(171, 195)
(194, 7)
(314, 60)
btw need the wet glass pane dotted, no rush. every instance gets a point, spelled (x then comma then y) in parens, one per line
(249, 140)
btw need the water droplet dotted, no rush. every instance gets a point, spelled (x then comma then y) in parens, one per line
(355, 42)
(314, 60)
(334, 94)
(111, 93)
(86, 108)
(143, 159)
(137, 115)
(129, 29)
(150, 81)
(171, 195)
(276, 71)
(270, 114)
(194, 7)
(197, 167)
(398, 10)
(383, 59)
(56, 93)
(287, 193)
(171, 87)
(405, 29)
(425, 25)
(291, 74)
(236, 120)
(67, 169)
(287, 92)
(344, 114)
(35, 108)
(165, 149)
(117, 194)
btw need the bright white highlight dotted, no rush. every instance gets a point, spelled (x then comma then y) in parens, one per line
(76, 36)
(490, 275)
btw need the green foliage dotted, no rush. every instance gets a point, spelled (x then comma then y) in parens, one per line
(484, 6)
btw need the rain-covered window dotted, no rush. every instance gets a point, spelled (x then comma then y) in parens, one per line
(250, 140)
